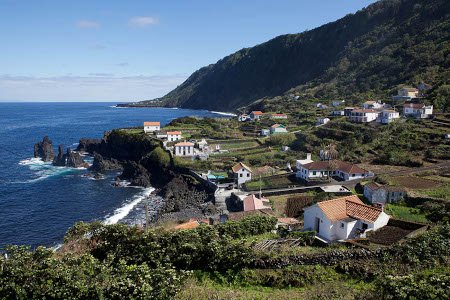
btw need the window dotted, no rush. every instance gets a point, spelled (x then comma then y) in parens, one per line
(353, 175)
(314, 172)
(240, 175)
(342, 225)
(248, 174)
(364, 226)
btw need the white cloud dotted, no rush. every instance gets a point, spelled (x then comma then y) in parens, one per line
(86, 88)
(87, 24)
(143, 21)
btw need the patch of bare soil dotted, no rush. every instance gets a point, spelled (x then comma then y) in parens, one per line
(415, 183)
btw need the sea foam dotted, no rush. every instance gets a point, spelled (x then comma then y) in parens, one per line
(224, 113)
(128, 206)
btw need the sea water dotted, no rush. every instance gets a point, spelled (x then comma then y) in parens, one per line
(38, 201)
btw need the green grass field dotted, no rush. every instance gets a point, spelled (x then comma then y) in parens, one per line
(405, 213)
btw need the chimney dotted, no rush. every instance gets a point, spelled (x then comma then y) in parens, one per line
(308, 155)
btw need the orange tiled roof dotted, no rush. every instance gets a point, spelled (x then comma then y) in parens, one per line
(277, 125)
(239, 166)
(152, 123)
(414, 105)
(349, 206)
(188, 225)
(188, 144)
(279, 115)
(289, 221)
(257, 112)
(173, 132)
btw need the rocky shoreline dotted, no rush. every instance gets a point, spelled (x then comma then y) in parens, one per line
(143, 162)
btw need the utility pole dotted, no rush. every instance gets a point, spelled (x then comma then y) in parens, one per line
(146, 216)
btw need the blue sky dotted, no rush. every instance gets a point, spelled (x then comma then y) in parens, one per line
(108, 50)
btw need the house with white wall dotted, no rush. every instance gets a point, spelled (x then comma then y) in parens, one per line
(184, 149)
(321, 170)
(343, 218)
(386, 116)
(322, 121)
(336, 103)
(173, 136)
(278, 116)
(278, 128)
(377, 193)
(373, 105)
(363, 115)
(244, 118)
(256, 115)
(150, 127)
(301, 162)
(242, 173)
(417, 110)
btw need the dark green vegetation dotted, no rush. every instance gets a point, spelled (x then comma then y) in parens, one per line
(366, 54)
(121, 262)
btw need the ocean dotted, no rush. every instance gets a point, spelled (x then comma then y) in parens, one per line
(40, 202)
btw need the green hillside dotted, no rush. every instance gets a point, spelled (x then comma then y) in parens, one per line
(364, 54)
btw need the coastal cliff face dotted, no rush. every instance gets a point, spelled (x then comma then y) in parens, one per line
(145, 163)
(44, 149)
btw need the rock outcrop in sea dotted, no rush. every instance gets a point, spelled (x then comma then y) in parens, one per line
(44, 149)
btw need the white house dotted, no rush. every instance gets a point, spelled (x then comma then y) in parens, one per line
(256, 115)
(372, 105)
(251, 202)
(242, 173)
(338, 113)
(447, 136)
(278, 128)
(278, 116)
(417, 110)
(377, 193)
(343, 218)
(320, 170)
(337, 103)
(184, 149)
(321, 106)
(152, 127)
(387, 116)
(301, 162)
(406, 93)
(244, 118)
(265, 132)
(348, 111)
(322, 121)
(363, 115)
(202, 145)
(173, 136)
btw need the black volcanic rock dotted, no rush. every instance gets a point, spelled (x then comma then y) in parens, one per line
(100, 164)
(89, 145)
(136, 173)
(60, 159)
(44, 149)
(74, 160)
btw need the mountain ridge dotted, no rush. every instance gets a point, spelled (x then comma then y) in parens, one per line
(317, 57)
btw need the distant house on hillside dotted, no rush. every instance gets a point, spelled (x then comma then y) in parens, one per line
(173, 136)
(338, 113)
(320, 170)
(417, 110)
(251, 202)
(348, 111)
(244, 118)
(363, 115)
(343, 218)
(184, 149)
(301, 162)
(377, 193)
(152, 127)
(242, 173)
(278, 128)
(278, 116)
(386, 116)
(406, 93)
(321, 106)
(322, 121)
(372, 105)
(256, 115)
(265, 132)
(337, 103)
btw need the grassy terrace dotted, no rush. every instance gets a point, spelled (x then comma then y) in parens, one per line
(405, 213)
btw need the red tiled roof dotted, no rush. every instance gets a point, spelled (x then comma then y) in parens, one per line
(349, 206)
(340, 165)
(289, 221)
(257, 112)
(279, 115)
(414, 105)
(277, 125)
(174, 132)
(239, 166)
(251, 202)
(188, 144)
(152, 123)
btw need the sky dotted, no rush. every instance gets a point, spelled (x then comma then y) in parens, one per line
(108, 50)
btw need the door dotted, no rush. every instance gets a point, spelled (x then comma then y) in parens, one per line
(317, 225)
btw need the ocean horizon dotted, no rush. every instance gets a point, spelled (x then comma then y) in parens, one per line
(40, 202)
